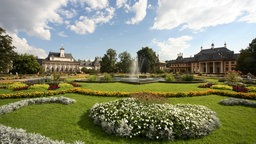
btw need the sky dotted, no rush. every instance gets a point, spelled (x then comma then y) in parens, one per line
(88, 28)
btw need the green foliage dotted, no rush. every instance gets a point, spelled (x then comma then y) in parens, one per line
(169, 78)
(221, 80)
(39, 86)
(246, 62)
(251, 88)
(16, 85)
(107, 77)
(92, 78)
(221, 87)
(89, 71)
(7, 53)
(65, 85)
(187, 77)
(25, 64)
(233, 77)
(108, 63)
(147, 60)
(55, 77)
(125, 61)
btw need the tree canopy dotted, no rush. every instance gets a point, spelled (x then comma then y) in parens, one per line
(7, 53)
(147, 60)
(108, 63)
(246, 61)
(26, 64)
(124, 63)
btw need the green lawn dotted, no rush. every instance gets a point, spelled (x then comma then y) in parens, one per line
(71, 122)
(160, 87)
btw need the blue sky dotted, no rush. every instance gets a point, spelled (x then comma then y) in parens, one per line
(87, 28)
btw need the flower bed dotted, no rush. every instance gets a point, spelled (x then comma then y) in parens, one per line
(131, 117)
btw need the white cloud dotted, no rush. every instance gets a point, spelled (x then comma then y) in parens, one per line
(172, 46)
(199, 14)
(139, 8)
(95, 4)
(23, 47)
(30, 16)
(62, 34)
(87, 25)
(68, 13)
(83, 26)
(250, 16)
(120, 3)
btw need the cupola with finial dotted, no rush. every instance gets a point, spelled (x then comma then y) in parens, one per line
(62, 53)
(212, 45)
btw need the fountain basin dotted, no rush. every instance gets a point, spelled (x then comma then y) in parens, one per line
(135, 80)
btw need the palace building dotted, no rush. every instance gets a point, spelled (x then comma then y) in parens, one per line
(60, 62)
(209, 61)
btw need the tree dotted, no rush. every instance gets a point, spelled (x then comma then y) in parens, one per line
(7, 53)
(147, 60)
(246, 61)
(124, 64)
(108, 63)
(26, 64)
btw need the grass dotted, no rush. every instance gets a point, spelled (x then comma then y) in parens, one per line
(159, 87)
(71, 122)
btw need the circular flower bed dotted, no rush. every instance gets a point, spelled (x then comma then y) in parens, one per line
(131, 117)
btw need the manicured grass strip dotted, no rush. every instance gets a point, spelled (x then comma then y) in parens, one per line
(71, 123)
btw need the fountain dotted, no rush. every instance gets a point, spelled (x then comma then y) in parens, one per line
(134, 76)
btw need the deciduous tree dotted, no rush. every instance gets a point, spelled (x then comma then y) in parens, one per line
(108, 63)
(246, 62)
(26, 64)
(7, 52)
(147, 60)
(124, 63)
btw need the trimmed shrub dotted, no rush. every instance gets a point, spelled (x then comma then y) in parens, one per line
(53, 86)
(221, 80)
(169, 78)
(39, 86)
(20, 104)
(131, 117)
(187, 77)
(16, 85)
(208, 85)
(240, 88)
(236, 101)
(74, 84)
(251, 88)
(92, 78)
(107, 77)
(65, 85)
(20, 88)
(221, 87)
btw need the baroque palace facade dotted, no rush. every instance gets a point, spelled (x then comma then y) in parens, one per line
(60, 62)
(208, 61)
